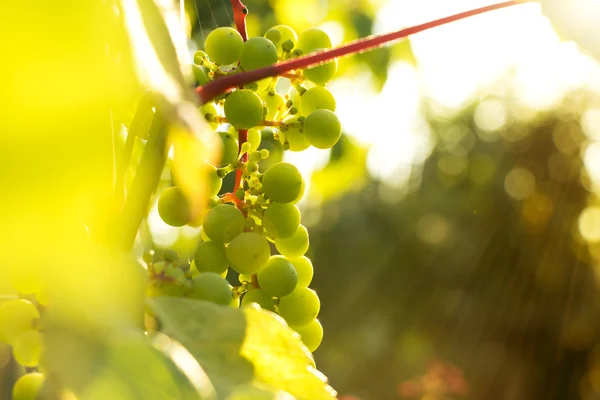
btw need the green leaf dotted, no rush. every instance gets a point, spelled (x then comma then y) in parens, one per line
(239, 346)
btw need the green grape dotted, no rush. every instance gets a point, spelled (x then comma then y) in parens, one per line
(300, 307)
(312, 334)
(213, 180)
(28, 386)
(304, 269)
(278, 278)
(199, 74)
(294, 246)
(235, 303)
(279, 34)
(175, 274)
(199, 57)
(211, 287)
(16, 317)
(254, 137)
(229, 149)
(259, 297)
(248, 253)
(210, 257)
(170, 255)
(159, 288)
(173, 207)
(321, 74)
(27, 348)
(282, 182)
(295, 138)
(258, 52)
(159, 267)
(281, 220)
(244, 278)
(243, 109)
(316, 98)
(275, 104)
(203, 235)
(313, 39)
(223, 222)
(323, 129)
(254, 157)
(207, 110)
(224, 45)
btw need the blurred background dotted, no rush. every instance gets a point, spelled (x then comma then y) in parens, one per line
(455, 228)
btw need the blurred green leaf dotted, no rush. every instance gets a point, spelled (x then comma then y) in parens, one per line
(238, 346)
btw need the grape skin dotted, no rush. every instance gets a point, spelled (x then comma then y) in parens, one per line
(248, 253)
(279, 34)
(27, 348)
(316, 98)
(323, 129)
(312, 39)
(304, 269)
(224, 45)
(259, 297)
(258, 52)
(28, 386)
(229, 149)
(282, 182)
(173, 207)
(210, 257)
(296, 245)
(243, 109)
(223, 222)
(278, 278)
(281, 220)
(16, 317)
(312, 334)
(211, 287)
(294, 137)
(300, 307)
(321, 74)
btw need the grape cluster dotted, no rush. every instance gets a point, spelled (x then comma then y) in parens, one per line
(245, 230)
(20, 328)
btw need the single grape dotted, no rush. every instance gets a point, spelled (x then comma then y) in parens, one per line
(323, 129)
(173, 207)
(294, 136)
(300, 307)
(224, 45)
(254, 137)
(243, 109)
(213, 180)
(281, 220)
(28, 386)
(16, 317)
(211, 287)
(275, 104)
(282, 182)
(210, 257)
(313, 39)
(248, 253)
(259, 297)
(27, 348)
(321, 74)
(235, 303)
(229, 148)
(223, 222)
(199, 57)
(258, 52)
(312, 334)
(208, 110)
(244, 278)
(304, 269)
(278, 278)
(199, 74)
(203, 235)
(316, 98)
(279, 34)
(294, 246)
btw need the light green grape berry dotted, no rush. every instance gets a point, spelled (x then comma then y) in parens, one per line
(321, 74)
(199, 74)
(313, 39)
(243, 109)
(322, 129)
(229, 148)
(28, 386)
(316, 98)
(173, 207)
(258, 52)
(295, 138)
(211, 287)
(207, 110)
(199, 57)
(294, 246)
(300, 307)
(275, 104)
(279, 34)
(223, 222)
(244, 278)
(27, 348)
(16, 317)
(278, 278)
(259, 297)
(213, 181)
(282, 182)
(281, 220)
(210, 257)
(235, 303)
(254, 137)
(248, 253)
(304, 269)
(224, 45)
(312, 334)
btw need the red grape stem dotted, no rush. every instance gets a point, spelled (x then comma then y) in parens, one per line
(219, 86)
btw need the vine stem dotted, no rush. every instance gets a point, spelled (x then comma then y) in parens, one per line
(219, 86)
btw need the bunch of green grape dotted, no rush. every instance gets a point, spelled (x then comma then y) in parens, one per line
(256, 230)
(20, 329)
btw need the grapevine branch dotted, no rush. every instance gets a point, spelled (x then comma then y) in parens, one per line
(213, 89)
